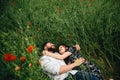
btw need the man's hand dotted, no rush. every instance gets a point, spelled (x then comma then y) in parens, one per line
(46, 53)
(43, 52)
(77, 47)
(79, 61)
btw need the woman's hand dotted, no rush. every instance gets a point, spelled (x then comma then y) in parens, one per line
(79, 61)
(77, 47)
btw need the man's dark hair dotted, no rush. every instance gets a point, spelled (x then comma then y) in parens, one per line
(44, 45)
(49, 49)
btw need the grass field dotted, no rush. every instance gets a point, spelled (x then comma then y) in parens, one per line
(94, 24)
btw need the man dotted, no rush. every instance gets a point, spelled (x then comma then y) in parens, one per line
(57, 69)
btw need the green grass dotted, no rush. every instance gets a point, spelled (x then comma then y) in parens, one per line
(94, 24)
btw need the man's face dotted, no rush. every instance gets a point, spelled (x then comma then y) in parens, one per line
(49, 45)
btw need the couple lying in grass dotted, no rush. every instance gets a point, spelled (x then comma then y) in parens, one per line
(67, 61)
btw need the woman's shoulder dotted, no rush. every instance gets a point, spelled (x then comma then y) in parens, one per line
(72, 49)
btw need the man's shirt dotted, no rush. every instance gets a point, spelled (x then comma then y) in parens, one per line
(52, 66)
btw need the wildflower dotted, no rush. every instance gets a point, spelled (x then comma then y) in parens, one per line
(22, 58)
(86, 61)
(38, 30)
(31, 79)
(36, 37)
(30, 48)
(81, 0)
(29, 23)
(69, 36)
(89, 5)
(59, 10)
(30, 65)
(19, 31)
(9, 57)
(39, 62)
(59, 38)
(91, 0)
(13, 3)
(17, 68)
(26, 39)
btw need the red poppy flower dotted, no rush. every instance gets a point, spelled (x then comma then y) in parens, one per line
(9, 57)
(30, 48)
(22, 58)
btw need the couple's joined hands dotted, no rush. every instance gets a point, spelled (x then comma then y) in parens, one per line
(79, 61)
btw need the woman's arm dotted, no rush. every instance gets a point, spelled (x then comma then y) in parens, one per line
(77, 47)
(58, 56)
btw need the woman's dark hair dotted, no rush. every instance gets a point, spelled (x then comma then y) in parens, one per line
(66, 46)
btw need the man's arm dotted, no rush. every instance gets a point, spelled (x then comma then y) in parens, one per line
(54, 67)
(66, 68)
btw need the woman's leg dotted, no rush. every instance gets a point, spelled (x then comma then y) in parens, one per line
(85, 76)
(77, 76)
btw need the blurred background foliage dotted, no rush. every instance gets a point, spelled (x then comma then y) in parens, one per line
(93, 24)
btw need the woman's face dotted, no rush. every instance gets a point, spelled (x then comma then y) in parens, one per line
(62, 49)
